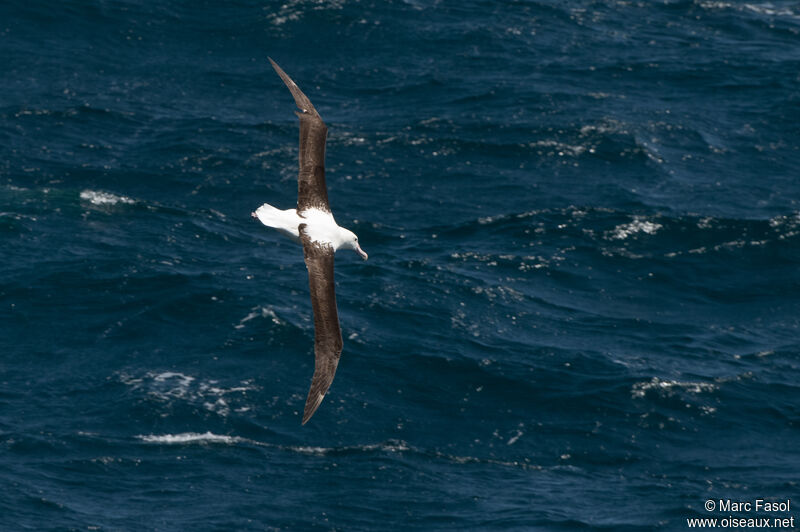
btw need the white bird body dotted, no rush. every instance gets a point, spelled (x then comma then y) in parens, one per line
(320, 226)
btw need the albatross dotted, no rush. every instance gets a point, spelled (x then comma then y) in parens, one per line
(312, 225)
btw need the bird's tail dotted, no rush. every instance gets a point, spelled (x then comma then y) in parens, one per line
(268, 215)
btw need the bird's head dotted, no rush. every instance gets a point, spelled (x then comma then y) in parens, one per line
(351, 241)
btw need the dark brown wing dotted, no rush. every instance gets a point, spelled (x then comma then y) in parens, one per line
(327, 333)
(311, 189)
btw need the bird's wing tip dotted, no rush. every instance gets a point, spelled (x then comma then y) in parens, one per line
(312, 403)
(278, 69)
(300, 99)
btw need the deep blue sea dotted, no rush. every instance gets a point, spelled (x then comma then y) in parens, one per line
(581, 309)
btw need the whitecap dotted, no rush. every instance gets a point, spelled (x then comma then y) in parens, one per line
(513, 439)
(189, 437)
(170, 386)
(640, 389)
(255, 312)
(638, 225)
(768, 8)
(491, 219)
(559, 148)
(715, 5)
(294, 10)
(393, 446)
(104, 198)
(761, 8)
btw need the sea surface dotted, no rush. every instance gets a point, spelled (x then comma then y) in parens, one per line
(580, 309)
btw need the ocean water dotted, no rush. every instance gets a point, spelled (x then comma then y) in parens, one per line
(580, 310)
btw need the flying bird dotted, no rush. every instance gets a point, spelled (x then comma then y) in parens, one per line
(312, 225)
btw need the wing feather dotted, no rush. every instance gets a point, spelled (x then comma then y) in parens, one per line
(327, 332)
(311, 189)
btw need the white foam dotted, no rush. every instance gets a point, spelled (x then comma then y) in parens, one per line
(390, 446)
(715, 5)
(490, 219)
(768, 8)
(189, 437)
(638, 225)
(104, 198)
(640, 389)
(475, 460)
(560, 148)
(161, 377)
(255, 312)
(513, 439)
(170, 386)
(293, 10)
(763, 8)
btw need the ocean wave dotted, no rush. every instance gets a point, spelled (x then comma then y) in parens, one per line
(189, 438)
(604, 140)
(399, 447)
(67, 112)
(403, 447)
(13, 222)
(392, 446)
(295, 10)
(96, 197)
(760, 8)
(668, 235)
(670, 387)
(770, 9)
(638, 225)
(170, 386)
(262, 312)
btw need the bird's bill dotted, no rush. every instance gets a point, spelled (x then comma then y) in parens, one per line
(361, 252)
